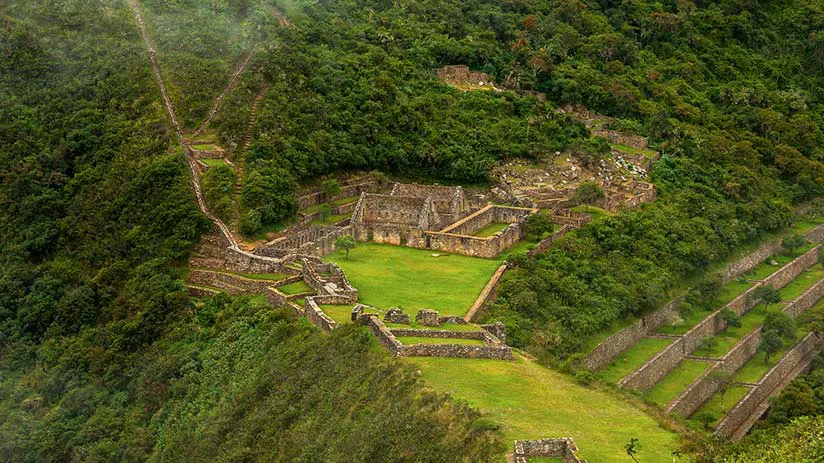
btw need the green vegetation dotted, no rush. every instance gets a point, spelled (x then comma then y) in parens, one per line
(797, 442)
(339, 313)
(447, 283)
(218, 185)
(213, 162)
(426, 340)
(533, 402)
(491, 229)
(631, 359)
(206, 148)
(298, 287)
(632, 150)
(594, 211)
(802, 283)
(714, 409)
(676, 381)
(332, 219)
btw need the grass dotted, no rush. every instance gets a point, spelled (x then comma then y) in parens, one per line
(803, 226)
(676, 381)
(764, 269)
(730, 291)
(756, 367)
(724, 341)
(262, 276)
(595, 211)
(593, 341)
(632, 150)
(213, 162)
(346, 200)
(297, 287)
(532, 402)
(339, 313)
(491, 229)
(397, 276)
(444, 326)
(522, 247)
(719, 405)
(802, 283)
(545, 460)
(425, 340)
(332, 219)
(633, 358)
(205, 147)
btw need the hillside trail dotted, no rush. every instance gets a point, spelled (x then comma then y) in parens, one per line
(239, 159)
(233, 80)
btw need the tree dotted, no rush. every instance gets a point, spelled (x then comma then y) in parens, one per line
(587, 193)
(331, 188)
(722, 379)
(792, 242)
(731, 318)
(633, 447)
(782, 324)
(770, 344)
(539, 225)
(345, 242)
(767, 295)
(324, 211)
(270, 191)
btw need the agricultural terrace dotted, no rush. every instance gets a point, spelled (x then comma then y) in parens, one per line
(397, 276)
(531, 401)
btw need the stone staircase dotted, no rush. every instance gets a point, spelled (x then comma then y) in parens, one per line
(250, 126)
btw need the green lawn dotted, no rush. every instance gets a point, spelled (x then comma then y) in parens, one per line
(676, 381)
(724, 341)
(444, 326)
(764, 269)
(803, 226)
(490, 229)
(633, 358)
(632, 150)
(685, 324)
(205, 147)
(397, 276)
(532, 402)
(719, 405)
(339, 313)
(802, 283)
(425, 340)
(295, 288)
(730, 291)
(521, 247)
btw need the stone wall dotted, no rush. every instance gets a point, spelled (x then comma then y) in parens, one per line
(620, 138)
(749, 261)
(783, 371)
(361, 185)
(275, 298)
(563, 448)
(328, 279)
(487, 247)
(487, 216)
(816, 235)
(549, 241)
(612, 347)
(314, 240)
(487, 294)
(806, 300)
(313, 313)
(232, 284)
(456, 350)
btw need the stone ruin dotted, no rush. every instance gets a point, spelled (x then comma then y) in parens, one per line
(563, 448)
(427, 317)
(415, 216)
(396, 315)
(460, 74)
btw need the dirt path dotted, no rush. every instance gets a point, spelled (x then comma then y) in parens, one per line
(239, 69)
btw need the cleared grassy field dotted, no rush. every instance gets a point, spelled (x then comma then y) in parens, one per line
(633, 358)
(490, 229)
(682, 376)
(802, 283)
(339, 313)
(295, 288)
(531, 402)
(396, 276)
(719, 405)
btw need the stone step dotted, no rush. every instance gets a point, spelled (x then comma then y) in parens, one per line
(207, 263)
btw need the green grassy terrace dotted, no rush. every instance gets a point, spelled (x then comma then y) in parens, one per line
(671, 385)
(332, 219)
(802, 283)
(720, 404)
(339, 313)
(444, 326)
(632, 150)
(397, 276)
(595, 211)
(425, 340)
(632, 359)
(490, 229)
(298, 287)
(532, 402)
(213, 162)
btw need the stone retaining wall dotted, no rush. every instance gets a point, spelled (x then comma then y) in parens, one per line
(606, 352)
(806, 300)
(487, 294)
(488, 247)
(547, 242)
(778, 374)
(312, 312)
(319, 197)
(563, 448)
(645, 377)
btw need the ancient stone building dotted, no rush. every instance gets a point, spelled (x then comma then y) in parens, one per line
(450, 201)
(397, 220)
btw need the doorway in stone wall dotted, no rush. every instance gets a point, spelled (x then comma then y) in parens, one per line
(427, 241)
(370, 234)
(403, 238)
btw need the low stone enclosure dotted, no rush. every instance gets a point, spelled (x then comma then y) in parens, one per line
(492, 348)
(609, 350)
(563, 448)
(352, 187)
(314, 240)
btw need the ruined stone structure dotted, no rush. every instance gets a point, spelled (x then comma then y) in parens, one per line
(460, 74)
(412, 215)
(396, 315)
(353, 187)
(563, 448)
(427, 317)
(314, 240)
(328, 279)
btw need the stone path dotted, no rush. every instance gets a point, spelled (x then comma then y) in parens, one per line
(239, 69)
